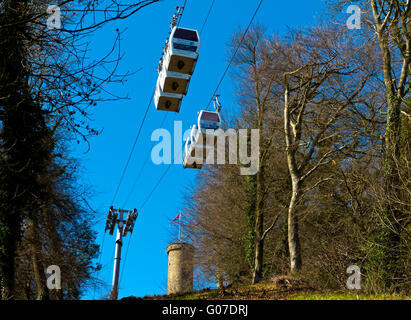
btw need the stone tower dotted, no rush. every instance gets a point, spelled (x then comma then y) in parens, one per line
(180, 267)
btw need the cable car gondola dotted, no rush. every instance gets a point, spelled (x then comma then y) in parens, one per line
(196, 152)
(173, 82)
(176, 67)
(203, 138)
(191, 159)
(208, 124)
(182, 50)
(166, 101)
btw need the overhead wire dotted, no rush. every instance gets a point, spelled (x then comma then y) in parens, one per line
(126, 166)
(125, 258)
(142, 169)
(214, 93)
(168, 168)
(234, 54)
(141, 208)
(156, 185)
(128, 161)
(138, 177)
(182, 12)
(132, 149)
(208, 15)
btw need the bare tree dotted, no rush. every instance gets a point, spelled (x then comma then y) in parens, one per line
(215, 224)
(392, 26)
(47, 85)
(320, 92)
(388, 22)
(257, 76)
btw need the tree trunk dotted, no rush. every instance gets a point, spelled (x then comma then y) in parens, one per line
(251, 194)
(385, 257)
(219, 276)
(39, 276)
(293, 237)
(259, 228)
(13, 88)
(258, 261)
(24, 139)
(38, 268)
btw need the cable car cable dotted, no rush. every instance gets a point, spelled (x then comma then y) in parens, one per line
(214, 93)
(221, 80)
(182, 12)
(148, 106)
(123, 174)
(125, 258)
(155, 187)
(151, 99)
(141, 170)
(132, 149)
(235, 53)
(127, 163)
(208, 15)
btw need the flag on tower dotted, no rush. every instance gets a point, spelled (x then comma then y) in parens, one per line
(176, 218)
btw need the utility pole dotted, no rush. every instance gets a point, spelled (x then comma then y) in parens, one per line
(115, 217)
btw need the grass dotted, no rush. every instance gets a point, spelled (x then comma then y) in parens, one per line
(271, 291)
(347, 296)
(281, 287)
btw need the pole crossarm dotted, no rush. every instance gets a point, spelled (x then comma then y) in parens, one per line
(124, 226)
(113, 219)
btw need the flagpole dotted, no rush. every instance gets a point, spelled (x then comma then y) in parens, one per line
(179, 227)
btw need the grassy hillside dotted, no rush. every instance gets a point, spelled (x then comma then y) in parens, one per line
(277, 290)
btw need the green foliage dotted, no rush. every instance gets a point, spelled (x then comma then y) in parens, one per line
(284, 239)
(379, 263)
(249, 238)
(347, 296)
(386, 251)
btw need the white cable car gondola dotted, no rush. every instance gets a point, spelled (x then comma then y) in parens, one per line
(195, 154)
(208, 124)
(182, 50)
(191, 159)
(167, 101)
(173, 82)
(209, 120)
(203, 138)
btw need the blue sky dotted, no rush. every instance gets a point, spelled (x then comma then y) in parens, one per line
(145, 269)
